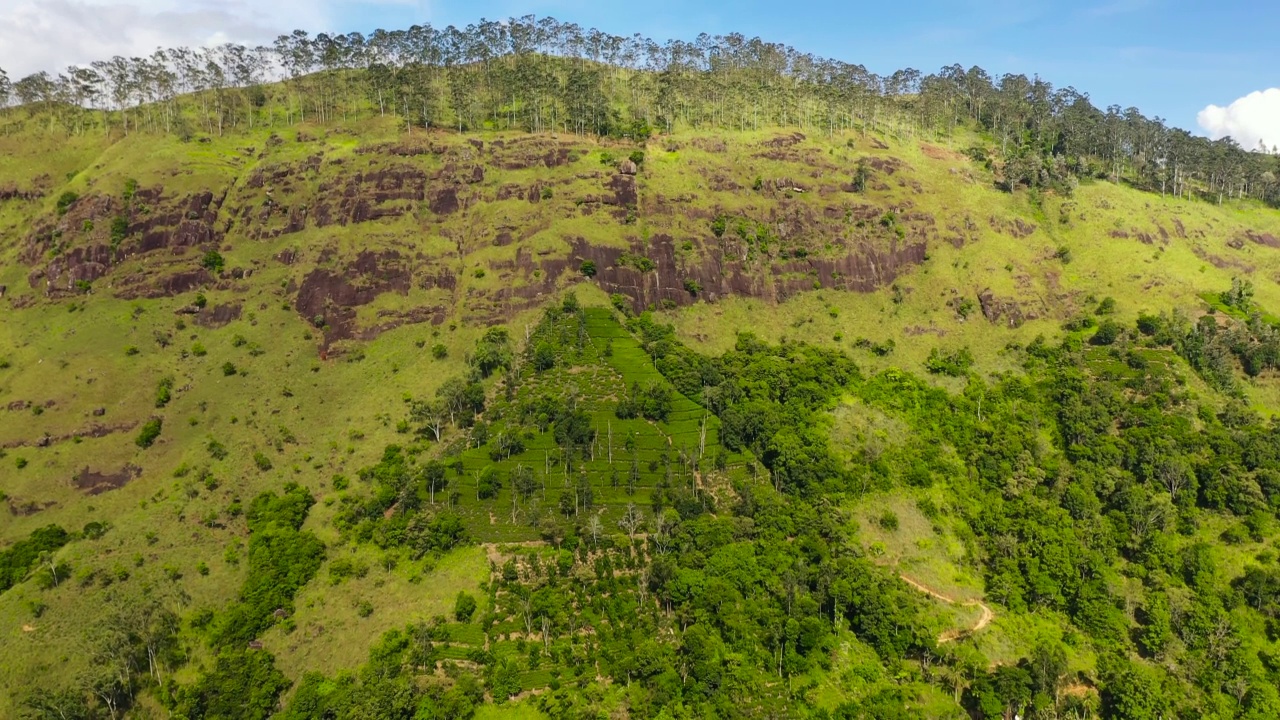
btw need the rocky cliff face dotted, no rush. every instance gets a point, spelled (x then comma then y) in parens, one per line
(491, 228)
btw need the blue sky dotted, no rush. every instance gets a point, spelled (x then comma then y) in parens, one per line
(1171, 58)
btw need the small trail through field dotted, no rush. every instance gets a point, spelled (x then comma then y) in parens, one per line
(951, 635)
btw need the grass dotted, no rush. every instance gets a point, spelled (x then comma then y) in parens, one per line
(331, 635)
(924, 550)
(318, 418)
(524, 710)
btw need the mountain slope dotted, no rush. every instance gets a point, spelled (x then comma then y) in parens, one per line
(288, 303)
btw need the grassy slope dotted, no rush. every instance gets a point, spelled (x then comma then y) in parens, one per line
(343, 413)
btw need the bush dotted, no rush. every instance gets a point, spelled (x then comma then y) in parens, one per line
(65, 201)
(951, 364)
(164, 391)
(229, 368)
(150, 431)
(588, 268)
(262, 461)
(888, 520)
(119, 230)
(1108, 332)
(439, 351)
(693, 287)
(1078, 323)
(489, 483)
(1106, 307)
(544, 357)
(464, 607)
(217, 450)
(213, 262)
(637, 157)
(719, 225)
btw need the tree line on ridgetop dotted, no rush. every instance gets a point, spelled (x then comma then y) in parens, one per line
(540, 74)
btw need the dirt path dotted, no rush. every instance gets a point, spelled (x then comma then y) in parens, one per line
(951, 635)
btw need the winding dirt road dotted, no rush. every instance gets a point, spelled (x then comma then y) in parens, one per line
(952, 635)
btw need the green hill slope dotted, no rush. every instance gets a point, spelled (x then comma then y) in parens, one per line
(970, 388)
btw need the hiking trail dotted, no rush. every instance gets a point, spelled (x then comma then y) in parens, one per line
(951, 635)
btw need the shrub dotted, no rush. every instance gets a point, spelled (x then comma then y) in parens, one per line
(164, 391)
(1078, 323)
(888, 520)
(951, 364)
(150, 431)
(464, 607)
(216, 450)
(693, 287)
(719, 225)
(1240, 296)
(262, 461)
(637, 157)
(544, 357)
(119, 230)
(229, 368)
(489, 483)
(439, 351)
(65, 201)
(213, 262)
(1108, 332)
(1106, 307)
(588, 268)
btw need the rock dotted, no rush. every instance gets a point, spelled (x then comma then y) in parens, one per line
(45, 441)
(99, 412)
(628, 168)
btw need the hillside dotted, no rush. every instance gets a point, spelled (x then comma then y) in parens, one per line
(511, 365)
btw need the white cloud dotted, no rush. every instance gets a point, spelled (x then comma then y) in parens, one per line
(1254, 117)
(52, 34)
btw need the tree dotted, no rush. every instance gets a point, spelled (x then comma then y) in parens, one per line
(432, 415)
(523, 481)
(6, 89)
(433, 475)
(595, 528)
(632, 520)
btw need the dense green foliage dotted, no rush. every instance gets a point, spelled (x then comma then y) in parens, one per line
(282, 558)
(1082, 473)
(17, 560)
(244, 682)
